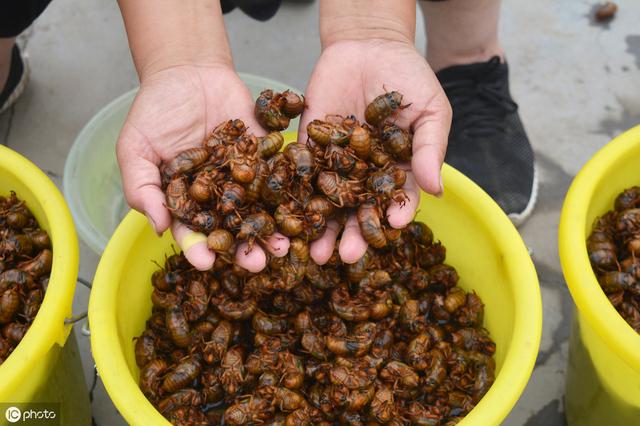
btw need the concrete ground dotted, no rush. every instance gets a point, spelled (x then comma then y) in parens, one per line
(576, 83)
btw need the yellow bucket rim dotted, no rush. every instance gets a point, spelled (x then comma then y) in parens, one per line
(592, 303)
(492, 409)
(48, 328)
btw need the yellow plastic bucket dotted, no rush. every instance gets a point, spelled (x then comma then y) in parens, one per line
(603, 379)
(481, 243)
(25, 375)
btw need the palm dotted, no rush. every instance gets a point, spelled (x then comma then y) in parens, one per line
(351, 74)
(173, 111)
(176, 108)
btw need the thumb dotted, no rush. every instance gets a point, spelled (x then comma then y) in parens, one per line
(302, 128)
(194, 246)
(430, 137)
(141, 177)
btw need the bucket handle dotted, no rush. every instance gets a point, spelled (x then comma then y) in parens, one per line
(82, 316)
(76, 318)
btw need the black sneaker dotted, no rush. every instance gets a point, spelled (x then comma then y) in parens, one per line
(16, 81)
(487, 141)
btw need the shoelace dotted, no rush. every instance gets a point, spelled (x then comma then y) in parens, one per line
(480, 105)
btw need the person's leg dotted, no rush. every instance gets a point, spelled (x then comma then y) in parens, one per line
(262, 10)
(487, 141)
(6, 46)
(15, 17)
(461, 31)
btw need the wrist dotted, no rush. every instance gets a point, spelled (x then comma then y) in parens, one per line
(367, 20)
(352, 31)
(168, 58)
(167, 34)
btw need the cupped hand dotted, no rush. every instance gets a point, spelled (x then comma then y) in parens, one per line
(174, 110)
(351, 74)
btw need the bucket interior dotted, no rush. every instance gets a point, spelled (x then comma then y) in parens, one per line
(601, 339)
(9, 181)
(482, 254)
(624, 175)
(28, 368)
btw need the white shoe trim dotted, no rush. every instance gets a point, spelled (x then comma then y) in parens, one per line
(22, 85)
(519, 218)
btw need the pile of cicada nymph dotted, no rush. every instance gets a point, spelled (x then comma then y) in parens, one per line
(614, 251)
(239, 187)
(388, 340)
(25, 264)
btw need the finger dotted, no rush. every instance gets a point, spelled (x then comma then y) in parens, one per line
(399, 215)
(252, 124)
(253, 260)
(277, 244)
(305, 119)
(194, 246)
(322, 248)
(431, 132)
(310, 112)
(352, 245)
(141, 178)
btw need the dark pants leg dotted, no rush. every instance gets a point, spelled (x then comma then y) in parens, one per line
(17, 15)
(261, 10)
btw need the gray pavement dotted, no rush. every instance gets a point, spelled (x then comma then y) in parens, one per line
(576, 83)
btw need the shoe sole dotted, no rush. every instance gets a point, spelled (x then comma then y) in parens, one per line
(22, 85)
(520, 218)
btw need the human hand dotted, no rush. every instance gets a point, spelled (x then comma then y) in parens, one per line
(174, 110)
(348, 76)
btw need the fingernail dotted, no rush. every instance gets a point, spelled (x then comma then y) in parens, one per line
(153, 224)
(441, 193)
